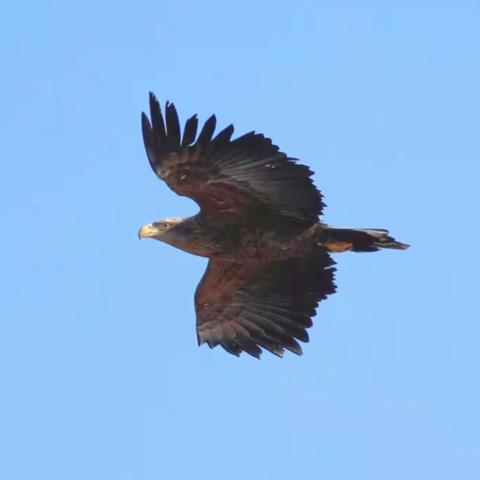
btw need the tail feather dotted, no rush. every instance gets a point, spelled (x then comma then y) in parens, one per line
(359, 240)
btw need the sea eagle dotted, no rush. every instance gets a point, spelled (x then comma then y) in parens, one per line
(269, 254)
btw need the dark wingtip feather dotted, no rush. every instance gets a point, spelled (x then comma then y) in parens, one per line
(147, 132)
(224, 136)
(158, 124)
(152, 97)
(231, 347)
(269, 344)
(207, 130)
(173, 126)
(190, 131)
(294, 347)
(146, 127)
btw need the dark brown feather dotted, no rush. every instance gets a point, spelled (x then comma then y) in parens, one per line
(173, 127)
(158, 124)
(254, 304)
(246, 180)
(207, 131)
(224, 136)
(190, 131)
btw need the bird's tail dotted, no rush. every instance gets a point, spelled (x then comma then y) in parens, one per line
(358, 240)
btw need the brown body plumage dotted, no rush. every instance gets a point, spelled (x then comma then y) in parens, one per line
(259, 225)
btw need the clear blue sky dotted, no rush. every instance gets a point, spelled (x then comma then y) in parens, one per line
(100, 374)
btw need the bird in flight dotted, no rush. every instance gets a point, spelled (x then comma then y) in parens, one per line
(269, 254)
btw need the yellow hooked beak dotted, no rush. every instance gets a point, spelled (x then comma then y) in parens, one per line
(147, 231)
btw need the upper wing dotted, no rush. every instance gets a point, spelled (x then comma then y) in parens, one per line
(245, 306)
(243, 180)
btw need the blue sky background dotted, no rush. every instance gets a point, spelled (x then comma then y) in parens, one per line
(100, 374)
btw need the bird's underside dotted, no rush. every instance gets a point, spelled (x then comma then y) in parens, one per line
(269, 255)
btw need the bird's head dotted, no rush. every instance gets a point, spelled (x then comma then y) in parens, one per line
(161, 230)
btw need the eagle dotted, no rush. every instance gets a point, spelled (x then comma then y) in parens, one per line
(269, 254)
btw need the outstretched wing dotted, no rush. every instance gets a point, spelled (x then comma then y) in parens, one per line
(246, 180)
(246, 306)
